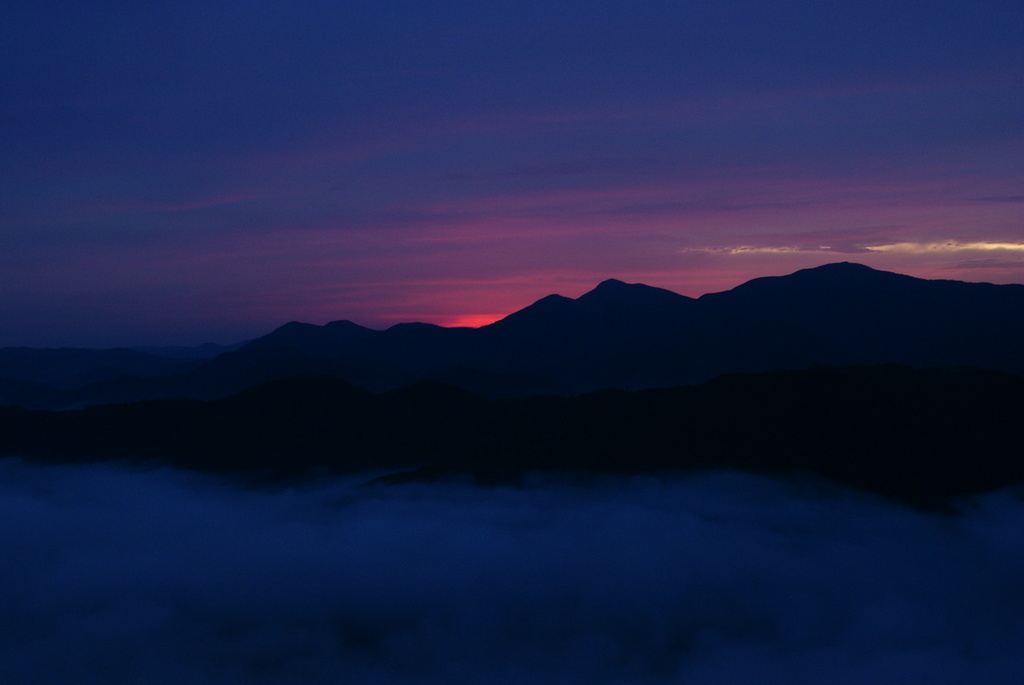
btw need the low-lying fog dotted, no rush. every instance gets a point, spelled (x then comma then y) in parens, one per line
(113, 576)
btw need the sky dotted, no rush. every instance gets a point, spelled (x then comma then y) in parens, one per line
(190, 172)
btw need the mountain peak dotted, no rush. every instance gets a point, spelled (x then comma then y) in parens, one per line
(344, 325)
(847, 270)
(842, 266)
(610, 284)
(629, 294)
(846, 277)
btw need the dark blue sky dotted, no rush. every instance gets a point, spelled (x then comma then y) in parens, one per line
(206, 171)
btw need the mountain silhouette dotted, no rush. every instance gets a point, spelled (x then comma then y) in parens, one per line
(617, 335)
(875, 316)
(916, 436)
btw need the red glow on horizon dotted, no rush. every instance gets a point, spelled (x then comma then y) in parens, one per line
(470, 320)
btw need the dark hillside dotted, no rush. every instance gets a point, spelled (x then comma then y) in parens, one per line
(920, 436)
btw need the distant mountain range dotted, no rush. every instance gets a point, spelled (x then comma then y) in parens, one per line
(619, 335)
(841, 372)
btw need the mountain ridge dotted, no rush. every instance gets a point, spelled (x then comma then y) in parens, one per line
(616, 335)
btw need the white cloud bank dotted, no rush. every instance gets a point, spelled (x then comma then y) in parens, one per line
(113, 576)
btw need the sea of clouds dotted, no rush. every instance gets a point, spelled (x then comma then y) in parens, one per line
(113, 575)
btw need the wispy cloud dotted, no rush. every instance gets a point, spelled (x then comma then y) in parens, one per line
(971, 264)
(1000, 199)
(950, 246)
(697, 205)
(902, 247)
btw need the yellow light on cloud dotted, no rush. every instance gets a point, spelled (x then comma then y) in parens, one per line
(901, 248)
(950, 246)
